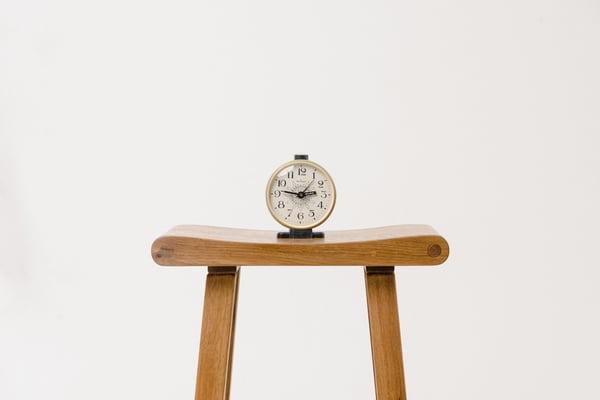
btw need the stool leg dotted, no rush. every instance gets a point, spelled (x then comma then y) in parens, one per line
(216, 339)
(384, 324)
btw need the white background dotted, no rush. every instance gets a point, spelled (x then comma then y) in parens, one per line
(120, 119)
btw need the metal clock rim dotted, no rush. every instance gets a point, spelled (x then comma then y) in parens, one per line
(333, 194)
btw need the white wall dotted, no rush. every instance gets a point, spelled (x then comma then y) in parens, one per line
(120, 119)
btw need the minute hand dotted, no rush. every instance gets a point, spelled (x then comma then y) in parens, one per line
(307, 186)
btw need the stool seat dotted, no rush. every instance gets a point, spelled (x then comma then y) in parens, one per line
(398, 245)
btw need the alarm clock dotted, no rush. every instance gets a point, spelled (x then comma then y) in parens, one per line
(300, 195)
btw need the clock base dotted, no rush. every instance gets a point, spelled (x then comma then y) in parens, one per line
(300, 234)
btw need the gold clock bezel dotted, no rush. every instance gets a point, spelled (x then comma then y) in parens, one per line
(270, 183)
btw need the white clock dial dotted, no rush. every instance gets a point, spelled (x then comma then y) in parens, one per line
(300, 194)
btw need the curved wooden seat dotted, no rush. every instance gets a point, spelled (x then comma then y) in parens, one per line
(398, 245)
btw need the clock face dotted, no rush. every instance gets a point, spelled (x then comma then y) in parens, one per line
(300, 194)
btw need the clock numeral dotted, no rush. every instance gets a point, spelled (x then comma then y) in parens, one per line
(302, 171)
(290, 174)
(315, 174)
(281, 204)
(324, 194)
(276, 193)
(281, 183)
(311, 213)
(320, 183)
(300, 215)
(290, 212)
(320, 205)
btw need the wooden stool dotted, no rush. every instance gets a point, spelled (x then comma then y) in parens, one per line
(224, 250)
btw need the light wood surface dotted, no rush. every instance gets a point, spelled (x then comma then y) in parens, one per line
(197, 245)
(384, 325)
(218, 328)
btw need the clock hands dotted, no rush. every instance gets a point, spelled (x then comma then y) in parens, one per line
(301, 194)
(305, 193)
(307, 186)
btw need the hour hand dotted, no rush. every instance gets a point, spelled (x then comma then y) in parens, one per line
(287, 191)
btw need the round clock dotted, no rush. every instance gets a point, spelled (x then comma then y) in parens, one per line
(300, 194)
